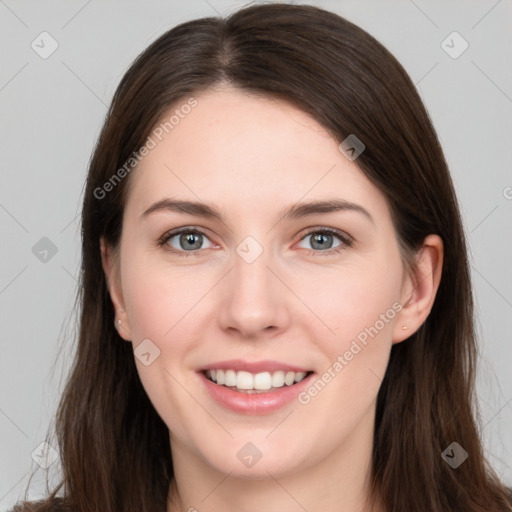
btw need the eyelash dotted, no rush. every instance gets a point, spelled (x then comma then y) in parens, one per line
(346, 240)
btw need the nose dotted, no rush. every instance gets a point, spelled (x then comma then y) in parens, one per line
(255, 301)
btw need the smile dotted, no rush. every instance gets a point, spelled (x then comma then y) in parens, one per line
(254, 388)
(247, 382)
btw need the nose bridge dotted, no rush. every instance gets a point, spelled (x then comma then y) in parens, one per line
(253, 301)
(251, 266)
(251, 279)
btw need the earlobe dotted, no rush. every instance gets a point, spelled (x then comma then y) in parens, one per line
(420, 288)
(112, 276)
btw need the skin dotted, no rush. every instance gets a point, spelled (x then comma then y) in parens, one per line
(252, 157)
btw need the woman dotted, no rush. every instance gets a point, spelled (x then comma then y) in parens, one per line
(315, 350)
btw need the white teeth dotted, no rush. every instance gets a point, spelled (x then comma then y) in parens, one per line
(299, 376)
(289, 378)
(230, 378)
(244, 380)
(259, 381)
(278, 379)
(262, 381)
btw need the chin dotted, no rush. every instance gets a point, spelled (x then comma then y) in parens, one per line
(249, 460)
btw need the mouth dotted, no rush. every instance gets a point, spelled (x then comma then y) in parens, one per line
(255, 383)
(254, 387)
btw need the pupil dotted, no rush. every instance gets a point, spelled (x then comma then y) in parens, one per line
(318, 239)
(190, 238)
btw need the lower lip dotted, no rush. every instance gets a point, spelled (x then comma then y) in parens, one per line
(254, 403)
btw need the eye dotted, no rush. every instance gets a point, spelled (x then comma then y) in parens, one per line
(187, 241)
(322, 240)
(184, 240)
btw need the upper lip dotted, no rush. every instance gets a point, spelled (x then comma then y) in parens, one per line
(253, 366)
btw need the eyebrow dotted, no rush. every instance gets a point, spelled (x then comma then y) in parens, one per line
(294, 211)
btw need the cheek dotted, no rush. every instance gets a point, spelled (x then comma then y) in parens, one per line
(353, 300)
(356, 356)
(342, 302)
(160, 302)
(159, 296)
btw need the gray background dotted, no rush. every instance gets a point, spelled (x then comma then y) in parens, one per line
(52, 110)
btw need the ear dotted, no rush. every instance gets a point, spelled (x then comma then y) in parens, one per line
(420, 288)
(110, 263)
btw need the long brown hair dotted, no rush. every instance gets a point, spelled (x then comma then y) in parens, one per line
(114, 447)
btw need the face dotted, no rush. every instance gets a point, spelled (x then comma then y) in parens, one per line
(317, 290)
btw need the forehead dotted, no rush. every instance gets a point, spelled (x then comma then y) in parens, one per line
(251, 150)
